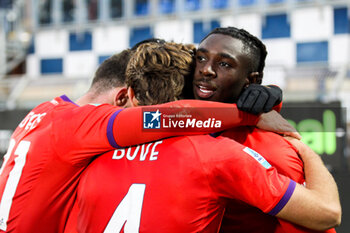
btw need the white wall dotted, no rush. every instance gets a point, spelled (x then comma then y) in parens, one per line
(312, 24)
(110, 39)
(172, 30)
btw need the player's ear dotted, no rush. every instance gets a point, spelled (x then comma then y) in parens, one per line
(255, 77)
(121, 98)
(132, 97)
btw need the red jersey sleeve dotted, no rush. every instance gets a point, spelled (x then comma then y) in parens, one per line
(237, 172)
(88, 130)
(80, 132)
(126, 126)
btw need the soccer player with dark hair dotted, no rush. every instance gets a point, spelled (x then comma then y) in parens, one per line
(230, 61)
(255, 98)
(183, 184)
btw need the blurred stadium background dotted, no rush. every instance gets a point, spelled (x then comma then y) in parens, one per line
(53, 47)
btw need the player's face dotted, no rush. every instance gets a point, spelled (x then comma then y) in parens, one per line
(221, 69)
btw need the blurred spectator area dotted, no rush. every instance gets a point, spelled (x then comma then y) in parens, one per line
(70, 11)
(51, 47)
(21, 92)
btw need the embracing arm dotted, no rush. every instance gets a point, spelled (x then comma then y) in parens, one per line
(274, 122)
(317, 205)
(127, 126)
(128, 122)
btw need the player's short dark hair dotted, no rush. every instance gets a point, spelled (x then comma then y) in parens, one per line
(253, 46)
(157, 71)
(111, 73)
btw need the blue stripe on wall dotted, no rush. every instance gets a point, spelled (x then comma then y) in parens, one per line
(139, 34)
(276, 26)
(193, 5)
(219, 4)
(141, 7)
(51, 66)
(312, 52)
(167, 6)
(80, 41)
(200, 30)
(341, 21)
(247, 2)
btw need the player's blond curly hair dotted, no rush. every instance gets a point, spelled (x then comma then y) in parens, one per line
(157, 71)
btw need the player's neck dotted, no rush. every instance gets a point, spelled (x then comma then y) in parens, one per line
(89, 98)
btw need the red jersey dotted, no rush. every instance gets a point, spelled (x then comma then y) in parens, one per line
(240, 217)
(176, 185)
(51, 147)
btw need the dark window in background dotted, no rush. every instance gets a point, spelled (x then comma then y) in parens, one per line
(45, 12)
(139, 34)
(193, 5)
(80, 41)
(116, 8)
(200, 29)
(68, 8)
(51, 66)
(92, 9)
(141, 7)
(341, 21)
(5, 4)
(276, 26)
(219, 4)
(166, 6)
(312, 52)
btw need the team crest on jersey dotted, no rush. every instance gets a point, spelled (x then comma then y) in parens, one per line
(151, 120)
(257, 157)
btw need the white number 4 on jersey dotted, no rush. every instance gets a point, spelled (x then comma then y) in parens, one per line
(128, 210)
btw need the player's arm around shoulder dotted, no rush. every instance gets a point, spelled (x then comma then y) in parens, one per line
(316, 205)
(83, 130)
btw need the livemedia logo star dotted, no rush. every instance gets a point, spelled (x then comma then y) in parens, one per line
(151, 120)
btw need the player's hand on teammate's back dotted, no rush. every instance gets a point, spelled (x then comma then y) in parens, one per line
(257, 98)
(299, 145)
(273, 121)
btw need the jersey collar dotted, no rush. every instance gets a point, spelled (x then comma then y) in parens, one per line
(65, 98)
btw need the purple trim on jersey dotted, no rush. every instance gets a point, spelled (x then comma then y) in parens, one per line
(110, 135)
(284, 199)
(65, 98)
